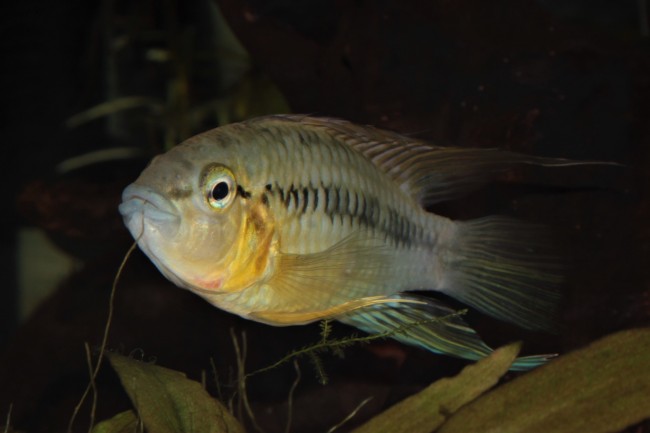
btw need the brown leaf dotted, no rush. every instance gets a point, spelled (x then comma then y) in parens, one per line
(168, 402)
(601, 388)
(427, 410)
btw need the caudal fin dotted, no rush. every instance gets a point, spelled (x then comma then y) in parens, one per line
(504, 268)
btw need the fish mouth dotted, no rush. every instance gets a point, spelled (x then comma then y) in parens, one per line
(146, 205)
(148, 214)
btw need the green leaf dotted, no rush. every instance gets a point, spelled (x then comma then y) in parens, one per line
(604, 387)
(168, 402)
(427, 410)
(124, 422)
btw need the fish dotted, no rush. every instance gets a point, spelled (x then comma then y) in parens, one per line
(291, 219)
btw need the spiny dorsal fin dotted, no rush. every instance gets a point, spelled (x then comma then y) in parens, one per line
(430, 174)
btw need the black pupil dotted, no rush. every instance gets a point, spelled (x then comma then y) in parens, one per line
(220, 191)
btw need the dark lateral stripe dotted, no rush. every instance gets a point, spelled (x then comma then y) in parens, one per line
(341, 203)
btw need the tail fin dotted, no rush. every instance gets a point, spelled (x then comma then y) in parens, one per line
(431, 325)
(504, 268)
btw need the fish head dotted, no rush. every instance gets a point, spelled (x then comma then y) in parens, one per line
(186, 215)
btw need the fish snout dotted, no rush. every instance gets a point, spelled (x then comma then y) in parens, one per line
(142, 205)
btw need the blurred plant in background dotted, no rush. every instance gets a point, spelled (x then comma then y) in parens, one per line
(162, 71)
(173, 69)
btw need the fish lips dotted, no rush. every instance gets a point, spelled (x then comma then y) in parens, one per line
(143, 205)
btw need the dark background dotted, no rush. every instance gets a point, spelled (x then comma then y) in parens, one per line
(555, 78)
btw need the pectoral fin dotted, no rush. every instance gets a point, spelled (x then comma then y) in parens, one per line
(309, 287)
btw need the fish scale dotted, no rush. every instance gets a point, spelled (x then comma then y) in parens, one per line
(347, 210)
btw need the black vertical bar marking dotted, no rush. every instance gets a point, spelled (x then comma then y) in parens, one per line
(296, 199)
(242, 192)
(327, 198)
(337, 197)
(370, 211)
(363, 217)
(328, 204)
(345, 202)
(302, 138)
(287, 197)
(305, 199)
(315, 198)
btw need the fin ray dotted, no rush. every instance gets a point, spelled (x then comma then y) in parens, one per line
(442, 329)
(506, 269)
(328, 283)
(296, 317)
(429, 173)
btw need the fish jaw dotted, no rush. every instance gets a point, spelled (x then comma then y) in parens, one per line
(144, 209)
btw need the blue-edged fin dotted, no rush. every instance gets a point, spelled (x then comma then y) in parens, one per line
(505, 268)
(428, 173)
(431, 325)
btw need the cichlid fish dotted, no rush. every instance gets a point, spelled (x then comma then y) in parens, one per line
(291, 219)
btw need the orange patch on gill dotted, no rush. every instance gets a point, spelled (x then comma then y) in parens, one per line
(253, 251)
(210, 284)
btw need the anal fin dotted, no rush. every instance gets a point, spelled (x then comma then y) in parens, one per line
(429, 324)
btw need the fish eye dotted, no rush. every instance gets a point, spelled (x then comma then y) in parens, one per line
(219, 187)
(220, 191)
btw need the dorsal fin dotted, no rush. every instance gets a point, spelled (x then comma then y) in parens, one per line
(429, 173)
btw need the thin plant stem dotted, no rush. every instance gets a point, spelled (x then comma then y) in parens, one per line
(8, 423)
(350, 415)
(294, 385)
(107, 327)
